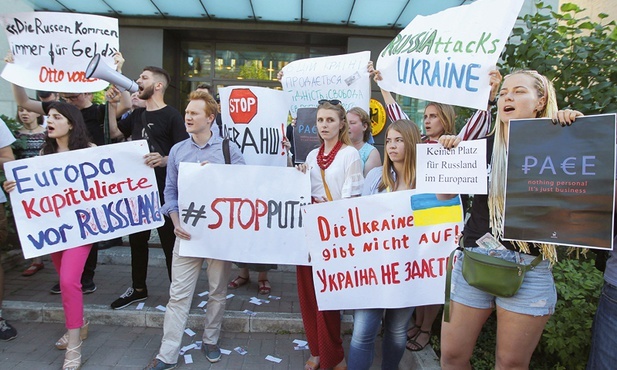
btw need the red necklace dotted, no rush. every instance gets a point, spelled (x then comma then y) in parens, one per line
(324, 161)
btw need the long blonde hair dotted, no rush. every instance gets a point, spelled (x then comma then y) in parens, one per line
(446, 115)
(411, 136)
(496, 199)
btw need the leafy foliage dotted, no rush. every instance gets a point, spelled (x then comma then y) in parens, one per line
(577, 54)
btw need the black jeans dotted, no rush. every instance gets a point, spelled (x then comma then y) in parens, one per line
(88, 275)
(139, 252)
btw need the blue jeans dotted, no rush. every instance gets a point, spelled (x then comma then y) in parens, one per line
(366, 325)
(603, 354)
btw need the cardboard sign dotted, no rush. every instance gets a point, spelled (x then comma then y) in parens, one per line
(69, 199)
(446, 57)
(52, 49)
(306, 137)
(460, 170)
(561, 181)
(340, 77)
(248, 213)
(255, 119)
(370, 252)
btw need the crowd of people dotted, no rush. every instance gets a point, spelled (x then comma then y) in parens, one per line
(345, 165)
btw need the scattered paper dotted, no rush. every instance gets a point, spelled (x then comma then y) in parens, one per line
(198, 344)
(202, 304)
(274, 297)
(186, 348)
(225, 351)
(140, 306)
(301, 348)
(240, 350)
(249, 312)
(300, 342)
(188, 359)
(230, 296)
(161, 308)
(273, 359)
(189, 332)
(256, 301)
(203, 293)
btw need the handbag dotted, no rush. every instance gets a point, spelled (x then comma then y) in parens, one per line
(490, 274)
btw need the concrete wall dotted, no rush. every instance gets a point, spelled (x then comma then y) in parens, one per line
(140, 47)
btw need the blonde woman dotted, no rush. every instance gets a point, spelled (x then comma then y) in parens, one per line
(522, 317)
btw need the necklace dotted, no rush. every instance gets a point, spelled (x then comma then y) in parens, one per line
(324, 161)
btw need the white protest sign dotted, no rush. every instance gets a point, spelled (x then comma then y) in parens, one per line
(247, 214)
(372, 251)
(69, 199)
(460, 170)
(340, 77)
(256, 120)
(52, 50)
(446, 57)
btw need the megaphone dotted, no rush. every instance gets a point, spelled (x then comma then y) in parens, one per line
(104, 72)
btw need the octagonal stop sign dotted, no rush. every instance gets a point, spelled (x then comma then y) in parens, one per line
(242, 105)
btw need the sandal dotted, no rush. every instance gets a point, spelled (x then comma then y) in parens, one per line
(312, 363)
(238, 282)
(33, 269)
(414, 345)
(75, 363)
(263, 288)
(413, 331)
(63, 342)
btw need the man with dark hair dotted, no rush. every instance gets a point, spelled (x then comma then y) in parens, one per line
(162, 126)
(46, 96)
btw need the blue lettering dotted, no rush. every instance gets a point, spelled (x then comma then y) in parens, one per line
(19, 180)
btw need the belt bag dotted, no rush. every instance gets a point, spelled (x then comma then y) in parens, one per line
(490, 274)
(494, 275)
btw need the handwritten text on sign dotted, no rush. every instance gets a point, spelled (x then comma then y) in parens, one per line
(248, 214)
(79, 197)
(381, 246)
(52, 50)
(255, 119)
(446, 57)
(339, 77)
(460, 170)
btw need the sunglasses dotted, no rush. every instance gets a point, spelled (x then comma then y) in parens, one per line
(333, 102)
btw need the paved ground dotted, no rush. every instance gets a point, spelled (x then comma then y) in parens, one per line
(129, 338)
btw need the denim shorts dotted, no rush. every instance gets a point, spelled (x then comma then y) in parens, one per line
(536, 297)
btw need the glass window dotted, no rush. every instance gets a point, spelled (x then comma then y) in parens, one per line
(253, 62)
(196, 61)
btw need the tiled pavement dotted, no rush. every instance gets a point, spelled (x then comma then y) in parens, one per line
(129, 338)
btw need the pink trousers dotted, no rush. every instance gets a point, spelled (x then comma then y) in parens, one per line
(70, 265)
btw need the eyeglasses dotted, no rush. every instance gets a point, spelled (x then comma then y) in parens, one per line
(333, 102)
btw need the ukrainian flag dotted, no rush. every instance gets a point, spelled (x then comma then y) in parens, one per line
(428, 210)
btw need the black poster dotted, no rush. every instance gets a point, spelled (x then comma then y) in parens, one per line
(306, 137)
(560, 182)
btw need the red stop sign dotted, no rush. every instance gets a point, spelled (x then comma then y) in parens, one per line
(242, 105)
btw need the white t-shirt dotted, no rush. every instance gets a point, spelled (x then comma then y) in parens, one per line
(344, 176)
(6, 139)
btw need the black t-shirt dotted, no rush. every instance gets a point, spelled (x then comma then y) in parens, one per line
(94, 118)
(478, 223)
(166, 128)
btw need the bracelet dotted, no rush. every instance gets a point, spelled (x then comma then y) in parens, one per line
(492, 102)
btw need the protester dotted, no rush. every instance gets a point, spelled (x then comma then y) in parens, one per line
(31, 136)
(204, 148)
(360, 135)
(522, 317)
(602, 355)
(93, 117)
(66, 131)
(162, 126)
(439, 119)
(397, 174)
(7, 331)
(336, 172)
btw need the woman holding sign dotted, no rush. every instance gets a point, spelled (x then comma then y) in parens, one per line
(336, 172)
(66, 131)
(397, 174)
(520, 318)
